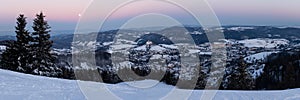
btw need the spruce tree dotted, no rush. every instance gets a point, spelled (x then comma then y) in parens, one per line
(42, 61)
(22, 43)
(16, 55)
(240, 79)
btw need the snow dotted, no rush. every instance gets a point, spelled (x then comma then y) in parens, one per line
(282, 27)
(143, 48)
(191, 51)
(84, 66)
(15, 86)
(152, 48)
(256, 71)
(85, 43)
(240, 28)
(157, 56)
(266, 43)
(227, 41)
(107, 43)
(121, 46)
(2, 47)
(196, 33)
(258, 56)
(169, 46)
(157, 48)
(205, 53)
(123, 41)
(61, 51)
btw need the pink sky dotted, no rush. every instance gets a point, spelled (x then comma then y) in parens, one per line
(142, 7)
(68, 10)
(257, 12)
(59, 10)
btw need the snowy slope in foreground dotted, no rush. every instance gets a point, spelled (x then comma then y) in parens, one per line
(21, 86)
(18, 86)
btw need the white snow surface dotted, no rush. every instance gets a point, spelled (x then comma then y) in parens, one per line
(257, 56)
(205, 53)
(143, 47)
(152, 48)
(266, 43)
(196, 32)
(157, 48)
(121, 46)
(2, 47)
(240, 28)
(16, 86)
(191, 51)
(169, 46)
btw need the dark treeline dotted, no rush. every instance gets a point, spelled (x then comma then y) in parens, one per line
(282, 71)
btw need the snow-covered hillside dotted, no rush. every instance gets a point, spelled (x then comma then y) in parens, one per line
(265, 43)
(258, 56)
(18, 86)
(240, 28)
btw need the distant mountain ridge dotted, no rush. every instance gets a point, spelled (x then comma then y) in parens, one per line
(230, 32)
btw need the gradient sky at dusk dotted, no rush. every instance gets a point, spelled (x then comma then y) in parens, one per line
(64, 14)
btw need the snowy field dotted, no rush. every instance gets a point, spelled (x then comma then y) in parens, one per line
(258, 56)
(18, 86)
(265, 43)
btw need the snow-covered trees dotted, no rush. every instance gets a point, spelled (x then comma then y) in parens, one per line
(16, 55)
(42, 61)
(10, 57)
(240, 79)
(22, 43)
(281, 71)
(30, 53)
